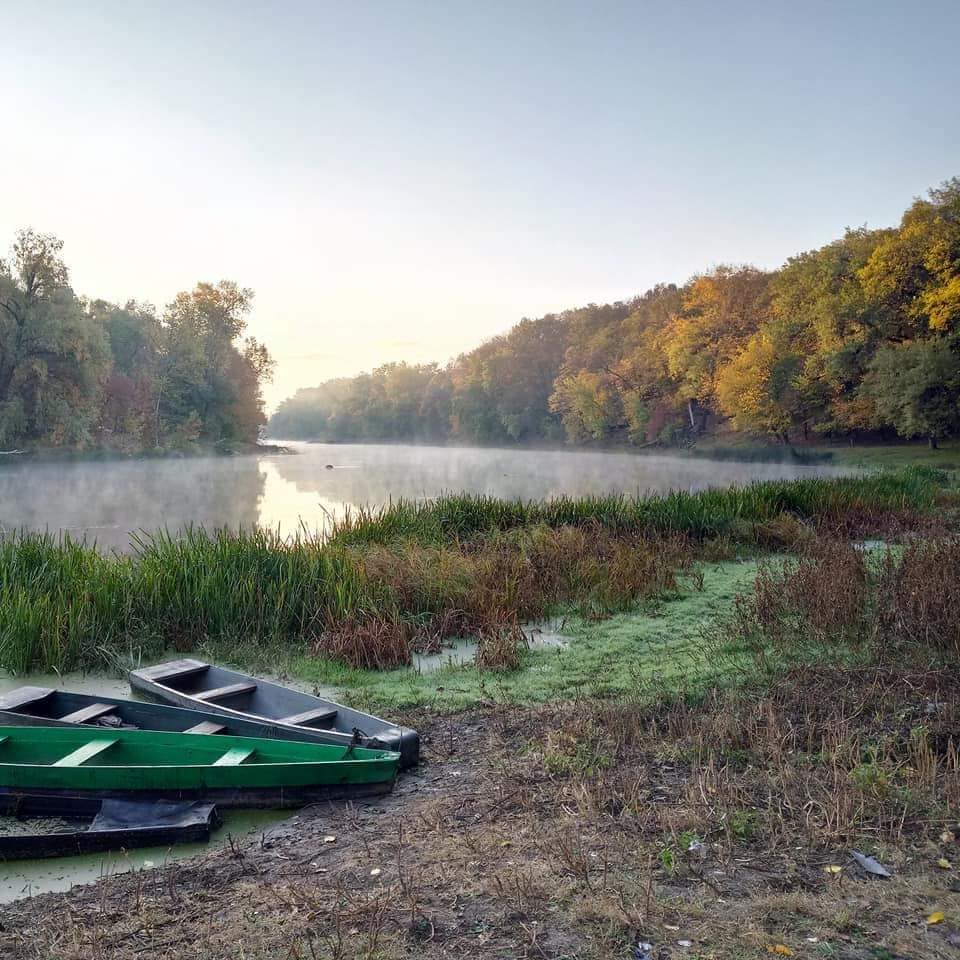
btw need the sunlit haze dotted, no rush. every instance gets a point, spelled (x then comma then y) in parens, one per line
(403, 180)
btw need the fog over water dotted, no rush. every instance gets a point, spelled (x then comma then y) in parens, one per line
(106, 500)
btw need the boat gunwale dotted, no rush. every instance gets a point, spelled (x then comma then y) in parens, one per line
(294, 733)
(84, 734)
(384, 734)
(145, 684)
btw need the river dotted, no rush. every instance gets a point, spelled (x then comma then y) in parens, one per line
(106, 500)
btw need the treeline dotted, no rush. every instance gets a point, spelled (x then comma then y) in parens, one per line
(82, 373)
(858, 338)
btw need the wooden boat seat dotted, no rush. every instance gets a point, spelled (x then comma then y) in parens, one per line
(23, 697)
(221, 693)
(235, 756)
(81, 755)
(174, 668)
(322, 715)
(87, 714)
(207, 727)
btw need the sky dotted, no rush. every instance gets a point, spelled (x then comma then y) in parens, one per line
(402, 180)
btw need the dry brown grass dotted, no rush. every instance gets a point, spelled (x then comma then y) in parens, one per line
(919, 595)
(499, 647)
(565, 832)
(486, 587)
(369, 643)
(819, 597)
(835, 598)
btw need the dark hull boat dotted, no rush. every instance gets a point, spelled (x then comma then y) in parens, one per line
(46, 707)
(199, 685)
(64, 771)
(118, 825)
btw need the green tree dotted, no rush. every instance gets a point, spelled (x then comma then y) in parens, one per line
(916, 387)
(587, 404)
(823, 319)
(53, 355)
(204, 377)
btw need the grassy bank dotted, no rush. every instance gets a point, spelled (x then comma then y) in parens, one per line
(624, 655)
(890, 456)
(409, 576)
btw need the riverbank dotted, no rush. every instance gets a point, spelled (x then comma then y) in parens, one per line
(772, 685)
(743, 449)
(585, 829)
(891, 456)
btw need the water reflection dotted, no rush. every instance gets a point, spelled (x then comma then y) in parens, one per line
(106, 500)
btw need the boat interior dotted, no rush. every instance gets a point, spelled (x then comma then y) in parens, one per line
(46, 703)
(39, 746)
(214, 686)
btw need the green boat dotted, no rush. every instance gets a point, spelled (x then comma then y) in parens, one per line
(60, 768)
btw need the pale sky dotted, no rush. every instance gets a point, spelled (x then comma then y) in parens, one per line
(403, 180)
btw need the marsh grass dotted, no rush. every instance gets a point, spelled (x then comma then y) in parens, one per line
(405, 578)
(499, 647)
(702, 514)
(371, 643)
(918, 596)
(487, 588)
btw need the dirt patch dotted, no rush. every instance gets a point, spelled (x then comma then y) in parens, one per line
(585, 830)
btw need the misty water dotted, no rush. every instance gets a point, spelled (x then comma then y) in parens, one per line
(315, 483)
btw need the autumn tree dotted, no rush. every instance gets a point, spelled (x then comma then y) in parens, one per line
(758, 389)
(914, 273)
(856, 338)
(720, 311)
(827, 330)
(588, 391)
(587, 404)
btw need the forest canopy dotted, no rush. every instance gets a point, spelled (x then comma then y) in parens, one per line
(82, 373)
(859, 338)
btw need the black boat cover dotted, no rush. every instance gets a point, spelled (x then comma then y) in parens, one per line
(128, 814)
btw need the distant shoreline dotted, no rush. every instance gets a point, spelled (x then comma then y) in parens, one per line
(894, 454)
(193, 451)
(732, 451)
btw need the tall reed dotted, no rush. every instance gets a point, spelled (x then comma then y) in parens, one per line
(704, 513)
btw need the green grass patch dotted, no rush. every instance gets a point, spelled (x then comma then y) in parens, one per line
(901, 456)
(617, 657)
